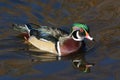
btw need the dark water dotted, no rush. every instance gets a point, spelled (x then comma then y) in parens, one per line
(103, 18)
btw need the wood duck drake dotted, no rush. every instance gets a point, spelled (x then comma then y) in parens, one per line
(55, 40)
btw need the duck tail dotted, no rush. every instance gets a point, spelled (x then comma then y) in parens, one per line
(23, 28)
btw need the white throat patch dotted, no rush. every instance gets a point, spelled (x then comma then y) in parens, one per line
(79, 38)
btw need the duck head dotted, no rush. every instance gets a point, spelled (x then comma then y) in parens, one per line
(80, 32)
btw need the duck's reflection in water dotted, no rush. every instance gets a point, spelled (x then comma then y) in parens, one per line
(79, 62)
(19, 66)
(77, 59)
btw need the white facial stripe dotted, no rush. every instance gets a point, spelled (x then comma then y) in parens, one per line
(71, 33)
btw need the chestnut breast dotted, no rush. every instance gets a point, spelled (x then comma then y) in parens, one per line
(69, 46)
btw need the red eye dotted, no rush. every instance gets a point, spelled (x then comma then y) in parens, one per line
(81, 30)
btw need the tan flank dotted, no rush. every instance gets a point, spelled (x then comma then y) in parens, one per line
(43, 45)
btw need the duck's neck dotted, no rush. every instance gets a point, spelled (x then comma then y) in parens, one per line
(69, 45)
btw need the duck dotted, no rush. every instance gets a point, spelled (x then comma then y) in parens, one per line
(55, 40)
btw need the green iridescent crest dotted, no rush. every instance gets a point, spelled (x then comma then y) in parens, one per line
(84, 26)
